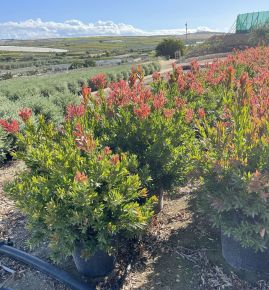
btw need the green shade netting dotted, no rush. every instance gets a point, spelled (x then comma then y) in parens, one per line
(246, 22)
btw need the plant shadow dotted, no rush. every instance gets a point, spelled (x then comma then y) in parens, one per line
(183, 252)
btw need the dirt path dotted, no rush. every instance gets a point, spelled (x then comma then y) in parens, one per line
(178, 252)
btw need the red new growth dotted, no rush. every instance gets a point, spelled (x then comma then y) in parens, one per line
(99, 81)
(74, 111)
(201, 112)
(115, 159)
(189, 115)
(168, 113)
(159, 101)
(12, 127)
(25, 114)
(107, 150)
(143, 111)
(86, 94)
(81, 177)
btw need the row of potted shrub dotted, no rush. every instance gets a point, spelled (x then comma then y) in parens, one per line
(93, 179)
(50, 100)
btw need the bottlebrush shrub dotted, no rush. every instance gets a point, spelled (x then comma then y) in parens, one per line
(98, 82)
(209, 87)
(6, 145)
(151, 126)
(235, 166)
(8, 130)
(76, 191)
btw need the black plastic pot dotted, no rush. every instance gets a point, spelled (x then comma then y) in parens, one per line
(98, 265)
(243, 258)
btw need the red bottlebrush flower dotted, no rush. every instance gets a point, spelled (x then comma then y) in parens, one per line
(143, 111)
(201, 112)
(230, 76)
(81, 177)
(177, 73)
(195, 67)
(168, 113)
(120, 94)
(181, 83)
(73, 111)
(99, 81)
(86, 91)
(140, 94)
(243, 80)
(25, 114)
(156, 76)
(159, 101)
(115, 159)
(86, 143)
(189, 115)
(192, 83)
(107, 150)
(12, 127)
(78, 130)
(245, 85)
(180, 102)
(214, 74)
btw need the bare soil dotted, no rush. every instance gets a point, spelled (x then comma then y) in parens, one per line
(178, 252)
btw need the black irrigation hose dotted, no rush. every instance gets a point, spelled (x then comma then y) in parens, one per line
(44, 267)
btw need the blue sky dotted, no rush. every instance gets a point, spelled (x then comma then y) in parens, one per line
(143, 15)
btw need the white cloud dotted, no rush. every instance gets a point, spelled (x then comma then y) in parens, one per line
(36, 28)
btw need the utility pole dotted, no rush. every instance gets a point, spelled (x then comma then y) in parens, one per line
(186, 25)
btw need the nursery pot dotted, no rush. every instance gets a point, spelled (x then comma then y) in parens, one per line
(243, 258)
(99, 264)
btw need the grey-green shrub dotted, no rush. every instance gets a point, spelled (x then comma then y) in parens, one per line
(145, 69)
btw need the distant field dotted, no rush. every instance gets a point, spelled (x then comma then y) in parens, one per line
(59, 78)
(63, 53)
(106, 43)
(30, 49)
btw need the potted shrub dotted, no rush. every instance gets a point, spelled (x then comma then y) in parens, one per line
(150, 124)
(78, 195)
(235, 167)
